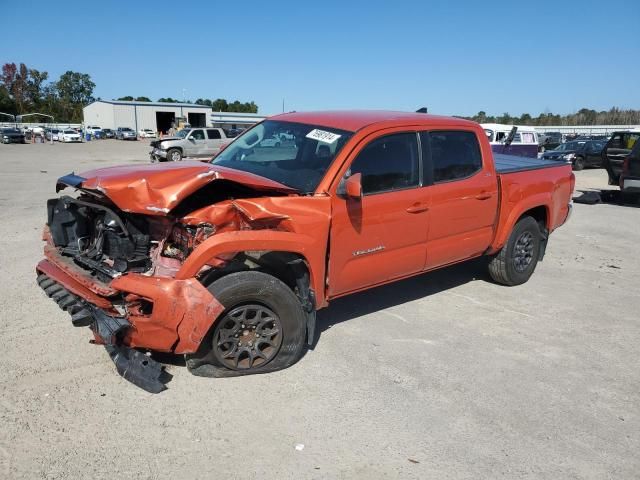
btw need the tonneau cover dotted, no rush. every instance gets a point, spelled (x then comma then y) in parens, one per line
(512, 163)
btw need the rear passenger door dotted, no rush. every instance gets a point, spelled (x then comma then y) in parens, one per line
(464, 196)
(214, 140)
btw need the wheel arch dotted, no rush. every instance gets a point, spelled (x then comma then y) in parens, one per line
(537, 207)
(287, 255)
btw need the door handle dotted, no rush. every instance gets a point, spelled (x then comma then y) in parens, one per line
(417, 208)
(483, 196)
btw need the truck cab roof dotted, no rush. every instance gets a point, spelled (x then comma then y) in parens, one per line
(354, 120)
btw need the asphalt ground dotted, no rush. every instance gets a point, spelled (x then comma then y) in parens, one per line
(446, 375)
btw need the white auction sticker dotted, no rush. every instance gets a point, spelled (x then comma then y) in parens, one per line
(323, 136)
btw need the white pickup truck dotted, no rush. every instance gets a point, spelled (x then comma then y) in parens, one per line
(189, 142)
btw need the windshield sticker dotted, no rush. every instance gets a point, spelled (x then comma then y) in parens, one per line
(323, 136)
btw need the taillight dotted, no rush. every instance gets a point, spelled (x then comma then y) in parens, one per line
(625, 166)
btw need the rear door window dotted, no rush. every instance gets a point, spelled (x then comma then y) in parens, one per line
(213, 134)
(388, 163)
(528, 137)
(452, 155)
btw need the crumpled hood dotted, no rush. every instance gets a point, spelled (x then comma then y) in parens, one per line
(155, 189)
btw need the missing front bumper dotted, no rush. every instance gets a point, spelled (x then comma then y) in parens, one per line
(132, 365)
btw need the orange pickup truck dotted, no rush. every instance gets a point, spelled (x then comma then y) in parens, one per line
(228, 261)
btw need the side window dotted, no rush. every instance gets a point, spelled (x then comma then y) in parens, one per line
(517, 138)
(528, 137)
(630, 140)
(616, 141)
(213, 134)
(197, 135)
(500, 136)
(388, 163)
(454, 154)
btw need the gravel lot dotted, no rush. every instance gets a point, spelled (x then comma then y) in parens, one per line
(446, 375)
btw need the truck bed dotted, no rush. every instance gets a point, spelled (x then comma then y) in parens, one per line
(512, 163)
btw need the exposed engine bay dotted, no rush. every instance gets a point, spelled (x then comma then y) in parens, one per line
(101, 238)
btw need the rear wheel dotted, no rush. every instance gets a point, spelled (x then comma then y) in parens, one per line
(261, 330)
(516, 261)
(578, 164)
(174, 155)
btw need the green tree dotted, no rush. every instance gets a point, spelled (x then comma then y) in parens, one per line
(127, 98)
(203, 101)
(143, 99)
(168, 100)
(220, 105)
(74, 90)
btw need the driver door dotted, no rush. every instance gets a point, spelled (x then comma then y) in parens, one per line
(382, 235)
(196, 144)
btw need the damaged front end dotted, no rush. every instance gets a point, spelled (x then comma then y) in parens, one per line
(113, 264)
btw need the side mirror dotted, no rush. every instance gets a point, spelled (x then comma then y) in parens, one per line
(353, 186)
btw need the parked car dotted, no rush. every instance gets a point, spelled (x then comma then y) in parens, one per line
(616, 152)
(232, 132)
(125, 133)
(524, 142)
(580, 153)
(272, 141)
(52, 134)
(94, 131)
(12, 135)
(189, 142)
(146, 133)
(630, 175)
(227, 262)
(108, 133)
(69, 135)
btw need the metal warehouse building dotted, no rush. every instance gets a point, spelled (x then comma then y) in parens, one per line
(157, 116)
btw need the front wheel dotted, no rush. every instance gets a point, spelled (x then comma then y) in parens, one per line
(578, 164)
(174, 155)
(262, 329)
(515, 262)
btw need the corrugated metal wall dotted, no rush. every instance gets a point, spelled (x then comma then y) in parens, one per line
(99, 114)
(137, 117)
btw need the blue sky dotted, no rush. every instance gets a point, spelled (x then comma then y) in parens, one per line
(455, 57)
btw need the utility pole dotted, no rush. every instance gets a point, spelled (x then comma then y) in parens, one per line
(283, 105)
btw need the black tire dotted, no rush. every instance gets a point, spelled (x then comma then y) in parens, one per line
(578, 164)
(277, 145)
(174, 155)
(627, 198)
(516, 261)
(218, 354)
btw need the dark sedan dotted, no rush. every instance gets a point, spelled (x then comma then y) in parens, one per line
(12, 135)
(581, 153)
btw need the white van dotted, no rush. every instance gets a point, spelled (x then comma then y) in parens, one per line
(524, 144)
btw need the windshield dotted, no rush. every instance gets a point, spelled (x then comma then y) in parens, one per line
(183, 133)
(69, 131)
(294, 154)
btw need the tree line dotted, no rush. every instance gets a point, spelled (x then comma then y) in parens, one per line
(27, 90)
(218, 105)
(584, 116)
